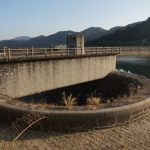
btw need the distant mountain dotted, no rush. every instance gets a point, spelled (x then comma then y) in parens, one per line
(135, 34)
(19, 38)
(57, 38)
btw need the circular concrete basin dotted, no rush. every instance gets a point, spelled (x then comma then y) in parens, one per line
(75, 120)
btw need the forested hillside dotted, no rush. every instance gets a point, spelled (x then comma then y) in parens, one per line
(131, 35)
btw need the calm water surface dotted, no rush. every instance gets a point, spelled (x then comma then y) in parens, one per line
(135, 64)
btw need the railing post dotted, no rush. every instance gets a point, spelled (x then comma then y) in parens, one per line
(61, 51)
(81, 51)
(51, 52)
(4, 53)
(92, 50)
(67, 51)
(96, 50)
(9, 57)
(27, 53)
(75, 50)
(45, 52)
(105, 50)
(32, 50)
(111, 49)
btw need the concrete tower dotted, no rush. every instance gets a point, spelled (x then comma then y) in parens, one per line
(76, 42)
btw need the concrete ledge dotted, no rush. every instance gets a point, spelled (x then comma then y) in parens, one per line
(4, 61)
(81, 119)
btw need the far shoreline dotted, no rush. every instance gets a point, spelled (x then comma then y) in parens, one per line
(134, 50)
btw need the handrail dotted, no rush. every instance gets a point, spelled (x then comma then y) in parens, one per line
(15, 53)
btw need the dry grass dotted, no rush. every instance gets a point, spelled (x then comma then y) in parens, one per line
(33, 105)
(22, 124)
(68, 100)
(5, 97)
(93, 100)
(135, 92)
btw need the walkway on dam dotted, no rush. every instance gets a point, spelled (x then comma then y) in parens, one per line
(38, 53)
(135, 136)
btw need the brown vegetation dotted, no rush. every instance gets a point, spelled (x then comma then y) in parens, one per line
(116, 89)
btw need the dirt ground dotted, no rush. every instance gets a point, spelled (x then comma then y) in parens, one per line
(135, 136)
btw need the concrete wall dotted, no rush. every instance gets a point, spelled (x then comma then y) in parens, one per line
(23, 78)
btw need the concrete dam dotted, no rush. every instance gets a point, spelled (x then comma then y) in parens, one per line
(33, 70)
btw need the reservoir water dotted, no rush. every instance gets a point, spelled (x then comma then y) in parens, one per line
(135, 64)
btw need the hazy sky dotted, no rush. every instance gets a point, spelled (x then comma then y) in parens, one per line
(44, 17)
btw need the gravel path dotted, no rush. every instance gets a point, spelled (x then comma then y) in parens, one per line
(135, 136)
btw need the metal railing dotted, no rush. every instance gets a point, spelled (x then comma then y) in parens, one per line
(25, 53)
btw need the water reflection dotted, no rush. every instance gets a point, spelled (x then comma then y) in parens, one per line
(135, 64)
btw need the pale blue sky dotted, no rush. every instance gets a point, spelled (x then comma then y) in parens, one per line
(44, 17)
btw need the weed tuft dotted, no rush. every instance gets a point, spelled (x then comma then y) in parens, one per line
(93, 99)
(68, 100)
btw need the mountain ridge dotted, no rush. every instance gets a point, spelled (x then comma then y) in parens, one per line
(57, 38)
